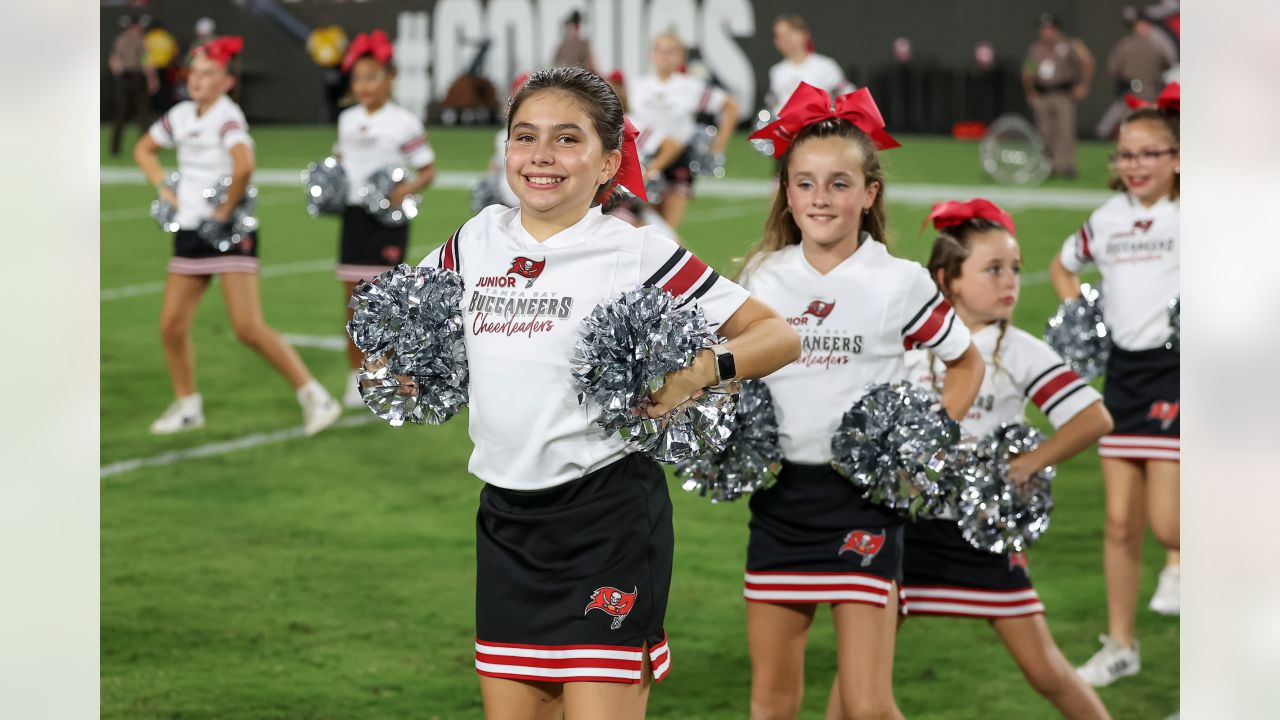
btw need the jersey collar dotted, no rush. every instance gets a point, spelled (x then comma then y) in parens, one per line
(572, 235)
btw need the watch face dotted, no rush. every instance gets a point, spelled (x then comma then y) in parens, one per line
(727, 369)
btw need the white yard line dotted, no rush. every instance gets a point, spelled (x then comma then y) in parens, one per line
(318, 342)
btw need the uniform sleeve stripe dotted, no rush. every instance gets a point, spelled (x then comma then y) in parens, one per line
(932, 325)
(703, 289)
(164, 120)
(414, 144)
(666, 267)
(1063, 396)
(449, 258)
(1039, 378)
(689, 273)
(706, 98)
(1084, 252)
(1051, 388)
(916, 318)
(228, 126)
(951, 322)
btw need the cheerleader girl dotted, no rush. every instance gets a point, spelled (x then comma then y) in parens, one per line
(664, 107)
(574, 536)
(976, 264)
(1133, 238)
(813, 539)
(374, 134)
(212, 139)
(800, 64)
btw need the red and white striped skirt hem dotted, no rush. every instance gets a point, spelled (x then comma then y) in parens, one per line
(213, 265)
(1140, 447)
(791, 588)
(358, 273)
(967, 602)
(570, 663)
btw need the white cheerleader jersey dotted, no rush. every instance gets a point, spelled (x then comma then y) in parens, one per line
(204, 145)
(818, 70)
(1026, 369)
(370, 141)
(1136, 250)
(523, 308)
(855, 323)
(667, 108)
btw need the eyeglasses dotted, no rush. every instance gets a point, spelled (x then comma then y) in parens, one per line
(1146, 157)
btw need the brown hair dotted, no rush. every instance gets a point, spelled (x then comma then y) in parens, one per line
(950, 249)
(1169, 120)
(794, 21)
(597, 100)
(780, 229)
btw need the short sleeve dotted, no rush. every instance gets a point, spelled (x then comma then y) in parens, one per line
(234, 131)
(665, 264)
(1077, 250)
(446, 256)
(929, 322)
(1047, 381)
(839, 84)
(162, 131)
(712, 100)
(414, 146)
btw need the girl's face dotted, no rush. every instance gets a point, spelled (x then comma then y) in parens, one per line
(370, 82)
(555, 160)
(827, 190)
(207, 79)
(789, 39)
(667, 55)
(987, 289)
(1146, 158)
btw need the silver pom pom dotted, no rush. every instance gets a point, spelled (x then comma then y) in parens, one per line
(704, 162)
(1175, 324)
(628, 346)
(327, 185)
(751, 459)
(763, 119)
(376, 195)
(408, 322)
(1078, 333)
(486, 192)
(164, 213)
(224, 236)
(893, 445)
(996, 514)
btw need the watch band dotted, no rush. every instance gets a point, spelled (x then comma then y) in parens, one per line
(726, 368)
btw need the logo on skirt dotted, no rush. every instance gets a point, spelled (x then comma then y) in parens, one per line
(863, 543)
(1164, 411)
(1018, 560)
(614, 602)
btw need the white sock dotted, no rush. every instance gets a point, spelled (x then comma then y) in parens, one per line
(313, 389)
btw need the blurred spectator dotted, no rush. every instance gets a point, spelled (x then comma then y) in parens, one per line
(326, 45)
(574, 49)
(800, 64)
(162, 57)
(134, 80)
(1056, 76)
(1137, 65)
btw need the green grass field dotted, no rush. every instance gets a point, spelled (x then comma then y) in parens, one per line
(334, 577)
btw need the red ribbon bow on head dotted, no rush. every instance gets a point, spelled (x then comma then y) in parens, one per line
(222, 49)
(630, 175)
(374, 43)
(951, 213)
(1170, 98)
(809, 105)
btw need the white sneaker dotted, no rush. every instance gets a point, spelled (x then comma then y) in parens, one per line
(1112, 662)
(351, 396)
(319, 409)
(184, 414)
(1166, 598)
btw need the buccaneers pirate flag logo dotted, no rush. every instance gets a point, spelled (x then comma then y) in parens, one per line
(863, 543)
(820, 309)
(613, 601)
(527, 268)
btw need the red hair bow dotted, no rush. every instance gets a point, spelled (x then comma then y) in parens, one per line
(222, 49)
(630, 174)
(374, 43)
(1169, 99)
(951, 213)
(809, 105)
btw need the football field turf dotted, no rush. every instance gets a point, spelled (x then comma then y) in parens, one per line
(250, 573)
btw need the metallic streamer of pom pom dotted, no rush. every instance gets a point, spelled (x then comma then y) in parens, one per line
(326, 183)
(223, 236)
(628, 346)
(893, 444)
(408, 322)
(1078, 333)
(997, 515)
(375, 193)
(763, 119)
(164, 213)
(750, 460)
(1175, 325)
(704, 162)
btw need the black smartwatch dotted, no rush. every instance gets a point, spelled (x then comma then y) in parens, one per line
(726, 368)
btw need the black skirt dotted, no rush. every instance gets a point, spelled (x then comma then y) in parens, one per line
(367, 247)
(1142, 394)
(945, 575)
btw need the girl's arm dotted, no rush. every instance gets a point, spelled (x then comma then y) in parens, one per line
(1065, 282)
(146, 155)
(241, 171)
(421, 181)
(1078, 433)
(668, 152)
(962, 382)
(761, 342)
(728, 121)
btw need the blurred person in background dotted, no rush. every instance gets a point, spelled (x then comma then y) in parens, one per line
(800, 64)
(574, 50)
(135, 81)
(1137, 66)
(162, 58)
(1056, 77)
(205, 31)
(326, 45)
